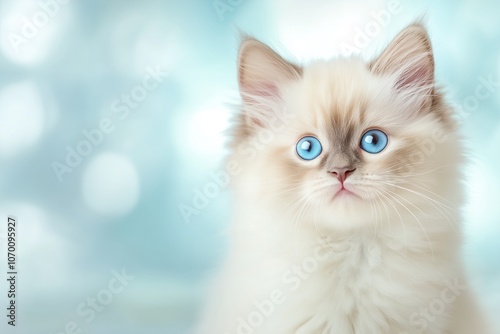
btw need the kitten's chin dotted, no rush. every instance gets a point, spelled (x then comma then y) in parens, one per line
(347, 210)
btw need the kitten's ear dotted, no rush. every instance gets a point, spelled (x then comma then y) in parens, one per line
(261, 74)
(409, 57)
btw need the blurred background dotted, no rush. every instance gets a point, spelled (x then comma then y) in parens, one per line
(111, 122)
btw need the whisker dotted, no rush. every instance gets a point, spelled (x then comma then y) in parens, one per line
(378, 193)
(442, 208)
(415, 217)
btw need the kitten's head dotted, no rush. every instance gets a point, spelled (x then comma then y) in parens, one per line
(343, 142)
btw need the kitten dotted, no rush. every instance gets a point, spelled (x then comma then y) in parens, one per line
(347, 200)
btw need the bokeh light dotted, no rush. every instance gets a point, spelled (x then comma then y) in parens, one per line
(30, 29)
(21, 117)
(111, 185)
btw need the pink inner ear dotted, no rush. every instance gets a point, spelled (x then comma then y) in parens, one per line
(257, 94)
(263, 89)
(419, 77)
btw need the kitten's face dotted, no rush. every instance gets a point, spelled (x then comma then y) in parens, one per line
(346, 147)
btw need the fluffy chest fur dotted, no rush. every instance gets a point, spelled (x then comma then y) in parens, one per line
(365, 283)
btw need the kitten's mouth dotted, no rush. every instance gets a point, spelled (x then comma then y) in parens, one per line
(344, 193)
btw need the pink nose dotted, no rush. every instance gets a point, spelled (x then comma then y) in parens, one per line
(341, 173)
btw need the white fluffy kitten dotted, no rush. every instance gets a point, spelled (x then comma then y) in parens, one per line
(347, 201)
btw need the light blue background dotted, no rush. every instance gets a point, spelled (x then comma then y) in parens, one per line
(119, 208)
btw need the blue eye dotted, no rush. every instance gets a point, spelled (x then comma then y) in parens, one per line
(308, 148)
(373, 141)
